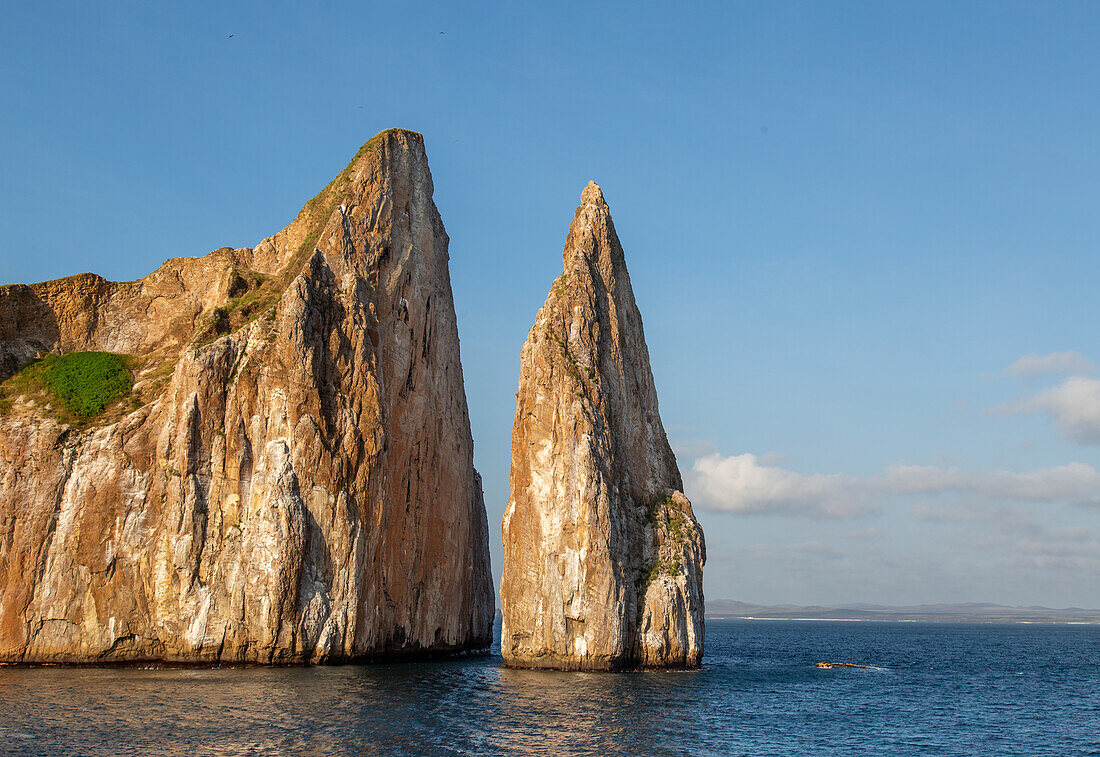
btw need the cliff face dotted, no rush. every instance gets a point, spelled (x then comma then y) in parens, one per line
(602, 554)
(293, 480)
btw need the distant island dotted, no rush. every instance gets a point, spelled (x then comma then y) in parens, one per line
(975, 612)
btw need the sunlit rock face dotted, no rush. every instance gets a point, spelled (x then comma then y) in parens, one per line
(293, 478)
(603, 556)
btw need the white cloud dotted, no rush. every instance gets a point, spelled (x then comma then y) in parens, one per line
(1073, 405)
(1018, 560)
(743, 484)
(1056, 362)
(1075, 482)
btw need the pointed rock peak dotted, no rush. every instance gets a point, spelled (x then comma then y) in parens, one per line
(392, 162)
(390, 148)
(592, 243)
(593, 195)
(400, 139)
(603, 556)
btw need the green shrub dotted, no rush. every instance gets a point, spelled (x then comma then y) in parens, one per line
(237, 313)
(85, 383)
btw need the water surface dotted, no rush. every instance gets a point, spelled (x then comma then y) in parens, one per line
(940, 689)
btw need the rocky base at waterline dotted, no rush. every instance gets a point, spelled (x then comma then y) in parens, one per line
(603, 556)
(262, 456)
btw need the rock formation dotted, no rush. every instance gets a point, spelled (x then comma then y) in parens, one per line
(602, 554)
(291, 479)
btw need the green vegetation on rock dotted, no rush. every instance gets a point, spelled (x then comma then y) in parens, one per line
(661, 510)
(256, 294)
(660, 568)
(664, 516)
(84, 383)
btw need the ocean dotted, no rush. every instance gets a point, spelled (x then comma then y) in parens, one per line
(934, 689)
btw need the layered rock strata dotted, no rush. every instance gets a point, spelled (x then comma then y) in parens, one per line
(603, 556)
(292, 478)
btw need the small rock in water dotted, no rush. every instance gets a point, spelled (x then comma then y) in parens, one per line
(828, 665)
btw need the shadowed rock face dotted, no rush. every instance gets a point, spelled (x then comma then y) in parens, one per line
(298, 489)
(602, 554)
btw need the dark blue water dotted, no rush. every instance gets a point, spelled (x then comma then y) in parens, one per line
(943, 689)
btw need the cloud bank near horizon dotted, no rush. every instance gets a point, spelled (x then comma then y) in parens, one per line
(745, 485)
(922, 531)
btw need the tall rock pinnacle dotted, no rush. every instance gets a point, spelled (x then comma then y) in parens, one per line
(290, 478)
(603, 556)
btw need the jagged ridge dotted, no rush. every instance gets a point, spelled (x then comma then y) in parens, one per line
(296, 487)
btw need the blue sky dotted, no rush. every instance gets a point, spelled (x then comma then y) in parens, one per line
(844, 223)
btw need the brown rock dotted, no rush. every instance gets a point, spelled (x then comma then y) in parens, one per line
(830, 665)
(298, 483)
(603, 556)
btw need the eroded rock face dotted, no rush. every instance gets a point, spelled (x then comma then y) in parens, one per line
(603, 556)
(299, 488)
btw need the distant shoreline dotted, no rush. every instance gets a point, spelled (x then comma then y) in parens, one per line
(942, 620)
(968, 612)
